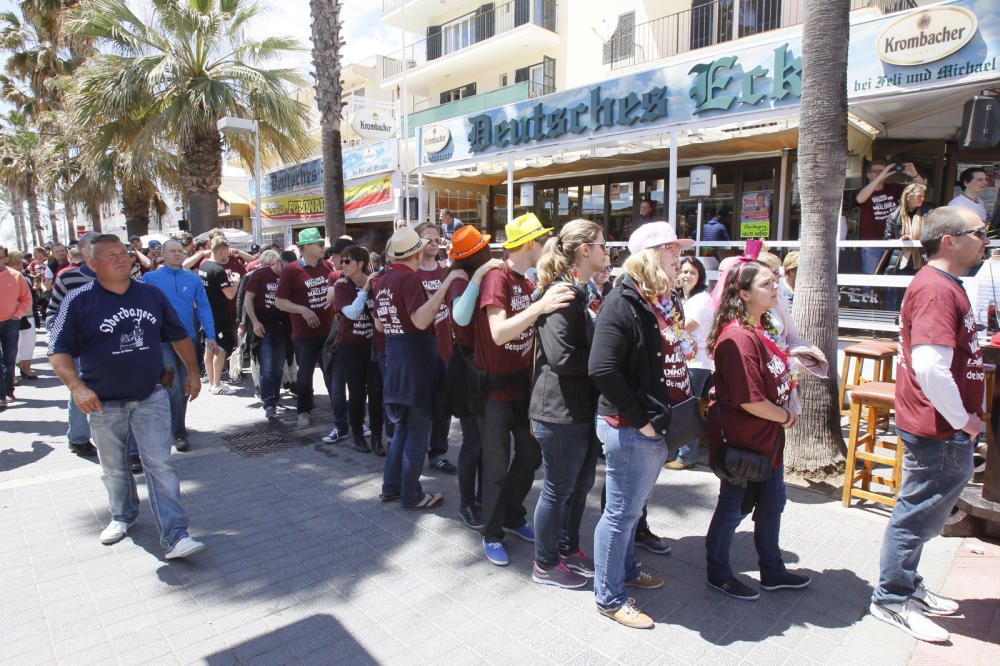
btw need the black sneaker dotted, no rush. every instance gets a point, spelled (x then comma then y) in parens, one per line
(181, 444)
(445, 466)
(361, 446)
(652, 543)
(787, 581)
(737, 589)
(472, 515)
(84, 450)
(378, 447)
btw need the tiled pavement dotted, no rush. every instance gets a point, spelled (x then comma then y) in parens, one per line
(304, 564)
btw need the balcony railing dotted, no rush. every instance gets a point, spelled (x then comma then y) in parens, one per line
(389, 5)
(468, 30)
(713, 23)
(475, 103)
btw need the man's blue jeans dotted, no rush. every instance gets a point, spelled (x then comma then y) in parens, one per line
(78, 430)
(441, 419)
(870, 256)
(405, 459)
(767, 525)
(632, 463)
(308, 352)
(175, 392)
(9, 332)
(338, 396)
(148, 420)
(273, 350)
(935, 472)
(569, 463)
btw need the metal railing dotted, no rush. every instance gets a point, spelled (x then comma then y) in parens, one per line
(714, 23)
(389, 5)
(470, 29)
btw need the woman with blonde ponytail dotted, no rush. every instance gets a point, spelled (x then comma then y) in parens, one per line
(563, 402)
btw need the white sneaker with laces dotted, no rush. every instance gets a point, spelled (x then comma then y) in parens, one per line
(185, 547)
(115, 532)
(222, 389)
(908, 617)
(930, 602)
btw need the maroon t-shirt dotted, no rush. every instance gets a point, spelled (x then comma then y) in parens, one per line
(464, 335)
(675, 369)
(263, 283)
(306, 285)
(399, 292)
(936, 311)
(379, 337)
(877, 210)
(746, 370)
(432, 281)
(511, 291)
(351, 331)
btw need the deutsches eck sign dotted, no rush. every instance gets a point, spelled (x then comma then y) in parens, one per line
(923, 37)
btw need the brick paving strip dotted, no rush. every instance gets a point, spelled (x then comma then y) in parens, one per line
(304, 565)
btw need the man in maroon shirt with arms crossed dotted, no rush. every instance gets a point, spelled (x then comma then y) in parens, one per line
(939, 405)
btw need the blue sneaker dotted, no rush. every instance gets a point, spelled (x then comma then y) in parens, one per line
(523, 532)
(496, 553)
(335, 435)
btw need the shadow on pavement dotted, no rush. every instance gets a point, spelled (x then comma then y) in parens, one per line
(332, 642)
(11, 459)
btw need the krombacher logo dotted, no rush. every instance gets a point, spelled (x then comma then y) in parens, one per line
(923, 37)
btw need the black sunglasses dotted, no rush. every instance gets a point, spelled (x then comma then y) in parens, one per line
(978, 232)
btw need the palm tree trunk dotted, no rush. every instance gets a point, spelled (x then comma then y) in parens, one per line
(326, 35)
(94, 213)
(70, 214)
(22, 242)
(816, 445)
(201, 172)
(50, 203)
(135, 206)
(18, 212)
(34, 218)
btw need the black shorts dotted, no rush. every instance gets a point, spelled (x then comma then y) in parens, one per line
(225, 331)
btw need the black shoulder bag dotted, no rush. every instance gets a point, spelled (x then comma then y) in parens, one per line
(740, 466)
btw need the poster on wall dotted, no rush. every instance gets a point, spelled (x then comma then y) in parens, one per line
(755, 214)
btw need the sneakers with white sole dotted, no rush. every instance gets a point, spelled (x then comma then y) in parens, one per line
(929, 602)
(908, 617)
(185, 547)
(115, 532)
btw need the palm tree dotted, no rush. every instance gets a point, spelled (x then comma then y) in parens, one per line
(21, 155)
(816, 446)
(326, 60)
(177, 71)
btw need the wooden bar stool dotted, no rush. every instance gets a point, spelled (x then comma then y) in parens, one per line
(880, 354)
(867, 401)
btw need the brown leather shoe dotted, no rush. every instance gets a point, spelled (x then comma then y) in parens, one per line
(646, 581)
(628, 615)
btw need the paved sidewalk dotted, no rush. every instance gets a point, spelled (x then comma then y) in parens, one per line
(304, 564)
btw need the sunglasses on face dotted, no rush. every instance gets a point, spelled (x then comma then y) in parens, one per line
(978, 232)
(344, 262)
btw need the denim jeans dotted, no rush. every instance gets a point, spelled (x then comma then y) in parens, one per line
(569, 464)
(632, 463)
(506, 481)
(175, 393)
(273, 347)
(9, 332)
(935, 472)
(441, 419)
(470, 463)
(687, 454)
(308, 353)
(767, 525)
(870, 256)
(147, 420)
(337, 385)
(78, 431)
(390, 429)
(364, 383)
(405, 459)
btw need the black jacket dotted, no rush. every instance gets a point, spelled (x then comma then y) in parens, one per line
(562, 391)
(626, 360)
(894, 224)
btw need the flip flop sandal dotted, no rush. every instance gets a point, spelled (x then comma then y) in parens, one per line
(428, 502)
(390, 497)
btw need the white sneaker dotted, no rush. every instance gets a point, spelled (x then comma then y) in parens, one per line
(304, 420)
(909, 618)
(185, 547)
(115, 532)
(222, 389)
(929, 602)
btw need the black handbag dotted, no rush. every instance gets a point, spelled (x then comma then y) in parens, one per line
(740, 466)
(686, 424)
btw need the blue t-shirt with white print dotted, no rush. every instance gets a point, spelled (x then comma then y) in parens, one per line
(116, 337)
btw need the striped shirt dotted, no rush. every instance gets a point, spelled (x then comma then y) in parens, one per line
(64, 283)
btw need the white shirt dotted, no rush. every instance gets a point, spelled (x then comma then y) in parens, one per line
(977, 206)
(699, 308)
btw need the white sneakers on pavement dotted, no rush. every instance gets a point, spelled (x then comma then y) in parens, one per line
(185, 547)
(115, 532)
(933, 603)
(908, 617)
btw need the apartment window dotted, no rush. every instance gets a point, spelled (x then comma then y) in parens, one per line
(458, 93)
(622, 42)
(503, 80)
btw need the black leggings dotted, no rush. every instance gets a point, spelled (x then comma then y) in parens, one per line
(361, 373)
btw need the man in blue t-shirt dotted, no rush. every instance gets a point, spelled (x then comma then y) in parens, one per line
(114, 326)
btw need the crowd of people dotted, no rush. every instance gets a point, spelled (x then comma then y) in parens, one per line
(543, 357)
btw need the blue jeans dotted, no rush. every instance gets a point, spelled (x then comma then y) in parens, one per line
(632, 462)
(390, 429)
(78, 431)
(405, 459)
(147, 420)
(470, 463)
(338, 396)
(687, 454)
(308, 352)
(935, 472)
(767, 524)
(273, 349)
(441, 420)
(9, 332)
(175, 393)
(870, 256)
(569, 464)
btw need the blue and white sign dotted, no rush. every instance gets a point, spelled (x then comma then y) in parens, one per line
(358, 163)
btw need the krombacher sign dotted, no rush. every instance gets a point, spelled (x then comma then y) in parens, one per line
(594, 114)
